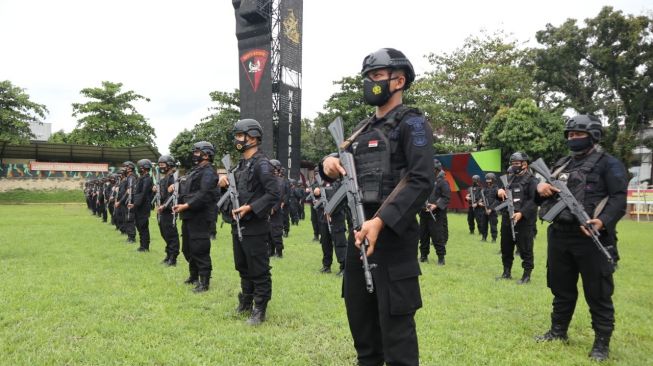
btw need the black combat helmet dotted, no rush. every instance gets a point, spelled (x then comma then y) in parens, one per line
(585, 123)
(144, 164)
(167, 159)
(490, 176)
(519, 156)
(129, 164)
(476, 178)
(249, 127)
(389, 58)
(276, 164)
(205, 147)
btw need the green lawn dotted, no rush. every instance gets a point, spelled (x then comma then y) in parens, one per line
(73, 293)
(17, 196)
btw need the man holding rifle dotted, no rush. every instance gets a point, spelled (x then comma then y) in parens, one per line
(433, 223)
(257, 191)
(519, 216)
(393, 155)
(195, 204)
(167, 222)
(588, 182)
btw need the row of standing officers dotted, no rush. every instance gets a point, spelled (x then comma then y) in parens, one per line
(398, 181)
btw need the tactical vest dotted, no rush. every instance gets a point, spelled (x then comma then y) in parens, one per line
(517, 186)
(373, 152)
(576, 179)
(185, 183)
(243, 180)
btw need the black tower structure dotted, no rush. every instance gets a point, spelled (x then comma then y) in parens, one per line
(269, 34)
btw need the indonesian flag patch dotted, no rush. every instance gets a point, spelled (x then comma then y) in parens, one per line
(373, 143)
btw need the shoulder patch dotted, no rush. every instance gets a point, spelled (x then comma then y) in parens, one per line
(417, 130)
(265, 166)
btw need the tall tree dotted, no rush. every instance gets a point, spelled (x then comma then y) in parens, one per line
(215, 128)
(468, 86)
(59, 137)
(110, 119)
(16, 113)
(605, 68)
(527, 128)
(182, 146)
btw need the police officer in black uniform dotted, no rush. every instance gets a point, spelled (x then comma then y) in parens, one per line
(393, 154)
(167, 221)
(436, 230)
(474, 212)
(599, 182)
(489, 219)
(142, 204)
(126, 198)
(523, 186)
(311, 199)
(258, 193)
(196, 200)
(276, 215)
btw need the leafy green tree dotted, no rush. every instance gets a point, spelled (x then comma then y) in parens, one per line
(110, 119)
(59, 137)
(16, 113)
(181, 147)
(468, 86)
(347, 103)
(605, 68)
(215, 128)
(527, 128)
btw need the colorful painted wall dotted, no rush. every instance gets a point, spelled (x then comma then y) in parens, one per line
(460, 168)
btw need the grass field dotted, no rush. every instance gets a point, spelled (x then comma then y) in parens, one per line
(19, 196)
(73, 293)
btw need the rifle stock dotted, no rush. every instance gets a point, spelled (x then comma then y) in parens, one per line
(353, 195)
(568, 200)
(508, 204)
(232, 193)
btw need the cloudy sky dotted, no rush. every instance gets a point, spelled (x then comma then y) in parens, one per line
(176, 52)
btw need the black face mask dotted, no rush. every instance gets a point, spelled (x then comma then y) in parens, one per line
(515, 169)
(377, 93)
(242, 145)
(196, 159)
(163, 170)
(578, 145)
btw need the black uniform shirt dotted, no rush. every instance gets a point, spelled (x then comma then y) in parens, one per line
(414, 158)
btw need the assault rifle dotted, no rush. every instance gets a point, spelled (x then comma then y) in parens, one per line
(130, 186)
(231, 194)
(156, 201)
(352, 192)
(426, 207)
(485, 204)
(566, 199)
(322, 201)
(172, 199)
(508, 204)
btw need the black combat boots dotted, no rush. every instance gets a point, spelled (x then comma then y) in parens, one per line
(192, 279)
(525, 278)
(557, 332)
(165, 261)
(244, 303)
(505, 275)
(601, 347)
(258, 314)
(440, 260)
(202, 284)
(172, 261)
